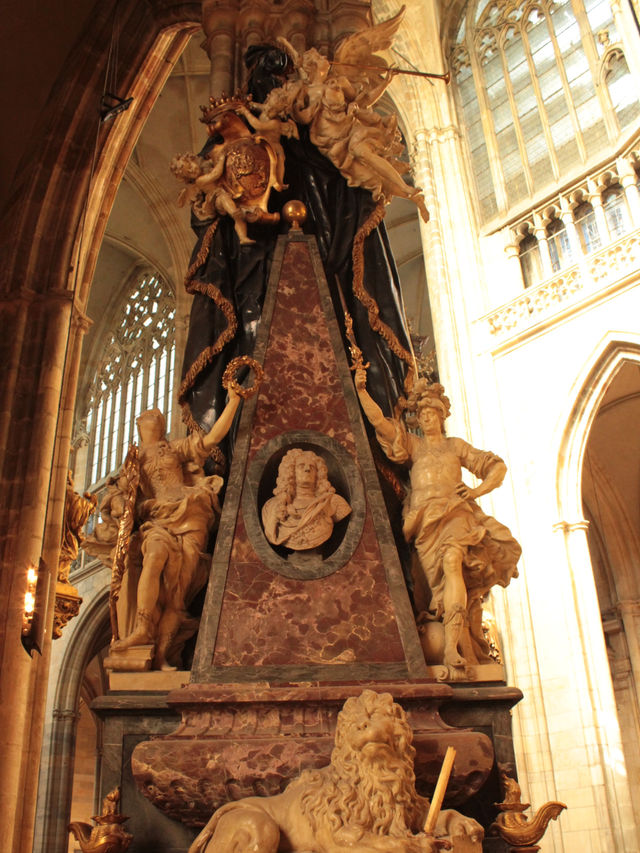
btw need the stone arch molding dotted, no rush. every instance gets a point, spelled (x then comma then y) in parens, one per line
(91, 632)
(598, 707)
(611, 352)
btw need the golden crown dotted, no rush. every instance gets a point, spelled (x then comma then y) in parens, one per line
(226, 103)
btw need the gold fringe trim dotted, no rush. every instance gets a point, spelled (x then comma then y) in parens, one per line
(391, 477)
(207, 355)
(364, 296)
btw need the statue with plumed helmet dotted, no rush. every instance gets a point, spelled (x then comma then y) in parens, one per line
(461, 551)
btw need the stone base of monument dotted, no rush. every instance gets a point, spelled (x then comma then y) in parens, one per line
(240, 740)
(154, 681)
(245, 740)
(136, 659)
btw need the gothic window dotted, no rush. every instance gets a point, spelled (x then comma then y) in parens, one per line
(585, 220)
(136, 373)
(616, 211)
(527, 76)
(559, 247)
(623, 97)
(530, 260)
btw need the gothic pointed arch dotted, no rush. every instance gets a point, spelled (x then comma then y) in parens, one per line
(612, 351)
(601, 456)
(92, 634)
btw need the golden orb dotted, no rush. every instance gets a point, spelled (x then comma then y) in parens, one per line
(295, 213)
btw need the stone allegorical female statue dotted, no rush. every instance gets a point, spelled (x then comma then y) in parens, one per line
(174, 507)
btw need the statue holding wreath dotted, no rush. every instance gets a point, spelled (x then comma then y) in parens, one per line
(167, 509)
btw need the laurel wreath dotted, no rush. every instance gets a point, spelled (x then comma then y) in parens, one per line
(229, 380)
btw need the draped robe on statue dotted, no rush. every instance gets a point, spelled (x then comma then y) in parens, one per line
(335, 214)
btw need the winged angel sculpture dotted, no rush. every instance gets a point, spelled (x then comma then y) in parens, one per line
(336, 98)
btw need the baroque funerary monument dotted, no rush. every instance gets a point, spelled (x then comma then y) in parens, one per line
(520, 288)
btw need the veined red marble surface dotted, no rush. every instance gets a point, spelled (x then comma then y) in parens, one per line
(267, 619)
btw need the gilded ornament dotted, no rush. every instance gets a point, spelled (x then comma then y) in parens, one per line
(107, 836)
(514, 827)
(77, 510)
(229, 380)
(295, 213)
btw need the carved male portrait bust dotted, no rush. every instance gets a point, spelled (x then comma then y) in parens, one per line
(304, 507)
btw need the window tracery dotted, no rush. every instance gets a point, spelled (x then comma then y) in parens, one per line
(559, 244)
(542, 86)
(616, 211)
(136, 373)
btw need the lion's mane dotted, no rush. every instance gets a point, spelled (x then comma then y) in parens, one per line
(377, 797)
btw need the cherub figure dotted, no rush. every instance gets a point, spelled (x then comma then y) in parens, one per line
(237, 174)
(205, 190)
(462, 551)
(272, 124)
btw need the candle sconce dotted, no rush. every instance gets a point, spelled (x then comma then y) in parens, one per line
(35, 608)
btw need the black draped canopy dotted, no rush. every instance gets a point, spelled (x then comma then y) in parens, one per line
(335, 214)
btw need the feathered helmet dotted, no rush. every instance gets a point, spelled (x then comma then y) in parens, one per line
(425, 395)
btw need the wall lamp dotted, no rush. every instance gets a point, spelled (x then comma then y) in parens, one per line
(35, 608)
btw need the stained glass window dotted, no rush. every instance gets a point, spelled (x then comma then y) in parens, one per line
(136, 373)
(542, 86)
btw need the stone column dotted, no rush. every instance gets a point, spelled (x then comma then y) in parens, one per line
(629, 181)
(251, 27)
(53, 533)
(25, 677)
(348, 17)
(543, 244)
(219, 24)
(630, 614)
(512, 251)
(594, 697)
(449, 271)
(595, 198)
(59, 784)
(566, 215)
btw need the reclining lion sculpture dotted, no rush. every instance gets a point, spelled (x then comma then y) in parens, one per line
(365, 800)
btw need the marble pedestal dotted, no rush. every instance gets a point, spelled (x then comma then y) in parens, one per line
(235, 740)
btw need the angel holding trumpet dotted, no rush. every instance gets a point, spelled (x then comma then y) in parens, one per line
(336, 99)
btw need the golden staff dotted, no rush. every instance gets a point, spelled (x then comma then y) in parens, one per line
(357, 361)
(131, 471)
(441, 787)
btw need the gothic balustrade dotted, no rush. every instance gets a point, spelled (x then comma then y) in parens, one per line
(594, 273)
